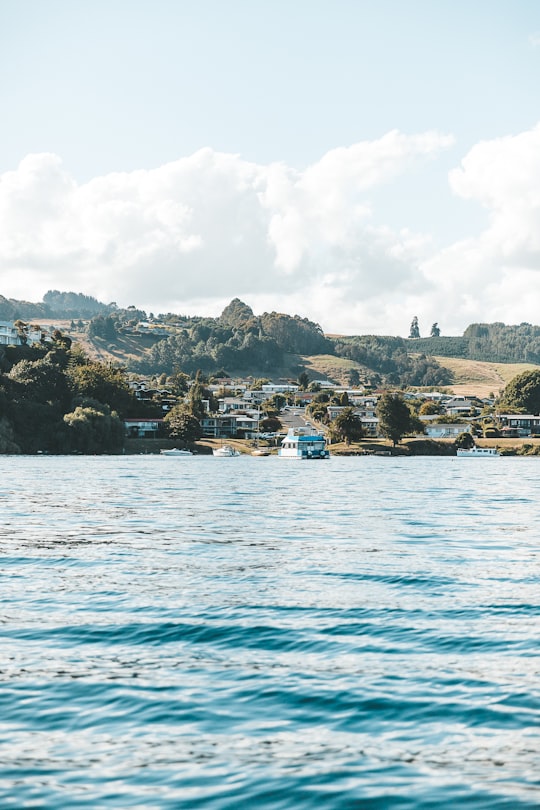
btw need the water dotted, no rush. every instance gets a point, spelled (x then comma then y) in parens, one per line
(258, 633)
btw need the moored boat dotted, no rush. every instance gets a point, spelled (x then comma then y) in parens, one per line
(301, 445)
(225, 451)
(176, 451)
(478, 452)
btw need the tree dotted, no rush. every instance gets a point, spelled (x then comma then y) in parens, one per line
(303, 381)
(414, 330)
(435, 331)
(93, 430)
(270, 424)
(464, 441)
(40, 381)
(105, 383)
(347, 426)
(523, 392)
(429, 408)
(182, 425)
(395, 418)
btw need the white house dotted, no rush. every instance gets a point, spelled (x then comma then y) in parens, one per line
(8, 334)
(438, 430)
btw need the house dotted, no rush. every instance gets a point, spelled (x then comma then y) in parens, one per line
(8, 334)
(438, 430)
(518, 424)
(228, 426)
(278, 388)
(143, 428)
(370, 425)
(31, 335)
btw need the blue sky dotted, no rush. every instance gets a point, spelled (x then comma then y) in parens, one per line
(355, 162)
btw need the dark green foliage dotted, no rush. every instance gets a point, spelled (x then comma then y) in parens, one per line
(490, 342)
(13, 310)
(440, 346)
(395, 418)
(236, 313)
(523, 393)
(73, 305)
(102, 327)
(94, 430)
(464, 441)
(347, 426)
(106, 384)
(183, 426)
(295, 334)
(303, 381)
(40, 381)
(270, 424)
(388, 356)
(414, 330)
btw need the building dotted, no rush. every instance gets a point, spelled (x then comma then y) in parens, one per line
(143, 428)
(518, 424)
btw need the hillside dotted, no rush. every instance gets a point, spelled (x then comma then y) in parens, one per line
(481, 378)
(277, 345)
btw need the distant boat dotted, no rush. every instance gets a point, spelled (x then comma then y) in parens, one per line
(301, 445)
(225, 451)
(478, 452)
(176, 451)
(260, 451)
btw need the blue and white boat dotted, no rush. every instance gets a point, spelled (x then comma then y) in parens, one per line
(302, 445)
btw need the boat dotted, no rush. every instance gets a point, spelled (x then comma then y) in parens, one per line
(299, 444)
(478, 452)
(260, 451)
(176, 451)
(225, 451)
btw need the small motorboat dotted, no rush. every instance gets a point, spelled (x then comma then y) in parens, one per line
(225, 451)
(176, 451)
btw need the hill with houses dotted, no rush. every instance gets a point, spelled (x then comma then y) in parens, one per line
(272, 345)
(85, 384)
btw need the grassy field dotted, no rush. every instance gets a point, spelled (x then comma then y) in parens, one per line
(479, 378)
(326, 366)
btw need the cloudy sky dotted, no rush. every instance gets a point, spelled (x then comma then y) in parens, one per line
(356, 162)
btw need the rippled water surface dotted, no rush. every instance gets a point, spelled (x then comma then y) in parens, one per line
(258, 633)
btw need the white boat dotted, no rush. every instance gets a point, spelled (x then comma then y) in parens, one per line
(225, 451)
(478, 452)
(302, 445)
(176, 451)
(260, 451)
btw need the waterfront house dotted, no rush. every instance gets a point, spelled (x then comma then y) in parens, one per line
(438, 430)
(143, 428)
(519, 424)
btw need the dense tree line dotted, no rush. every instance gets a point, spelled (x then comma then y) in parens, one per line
(55, 400)
(237, 341)
(388, 357)
(490, 342)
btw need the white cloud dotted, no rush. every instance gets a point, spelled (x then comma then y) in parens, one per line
(495, 275)
(192, 234)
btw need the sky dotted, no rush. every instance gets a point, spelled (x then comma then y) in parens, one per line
(355, 162)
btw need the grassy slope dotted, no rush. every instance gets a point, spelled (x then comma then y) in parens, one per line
(480, 378)
(325, 366)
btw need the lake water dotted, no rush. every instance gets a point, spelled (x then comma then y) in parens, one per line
(260, 633)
